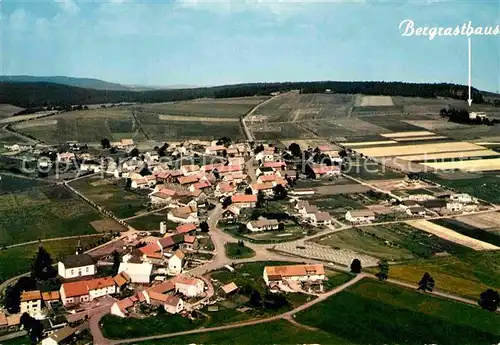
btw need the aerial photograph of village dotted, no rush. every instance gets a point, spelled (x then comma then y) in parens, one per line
(249, 172)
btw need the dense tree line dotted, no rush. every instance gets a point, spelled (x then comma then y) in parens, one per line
(463, 116)
(58, 96)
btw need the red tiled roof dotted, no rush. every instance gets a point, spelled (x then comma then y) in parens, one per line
(323, 168)
(189, 239)
(125, 303)
(74, 289)
(229, 168)
(185, 280)
(150, 248)
(216, 148)
(201, 185)
(100, 283)
(225, 188)
(268, 178)
(274, 164)
(185, 228)
(187, 179)
(262, 186)
(166, 286)
(210, 167)
(244, 198)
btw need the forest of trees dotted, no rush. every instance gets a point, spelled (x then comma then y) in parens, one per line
(33, 95)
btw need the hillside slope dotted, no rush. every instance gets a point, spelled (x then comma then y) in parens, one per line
(86, 83)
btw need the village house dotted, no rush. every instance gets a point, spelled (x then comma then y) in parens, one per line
(416, 211)
(224, 189)
(306, 210)
(189, 286)
(323, 170)
(119, 308)
(454, 206)
(236, 161)
(266, 188)
(264, 171)
(31, 302)
(91, 166)
(230, 214)
(190, 242)
(320, 219)
(360, 216)
(186, 214)
(188, 228)
(121, 280)
(294, 273)
(125, 144)
(229, 169)
(139, 273)
(276, 166)
(65, 157)
(86, 290)
(244, 201)
(463, 198)
(290, 174)
(152, 156)
(60, 336)
(187, 180)
(266, 155)
(273, 179)
(73, 266)
(189, 170)
(302, 192)
(162, 197)
(421, 197)
(145, 182)
(175, 263)
(172, 304)
(50, 296)
(214, 150)
(199, 186)
(262, 225)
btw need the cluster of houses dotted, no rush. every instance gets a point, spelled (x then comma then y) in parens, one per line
(295, 278)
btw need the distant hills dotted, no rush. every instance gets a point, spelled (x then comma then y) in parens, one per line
(86, 83)
(33, 94)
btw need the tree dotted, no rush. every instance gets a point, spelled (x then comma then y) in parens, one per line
(281, 226)
(279, 192)
(260, 199)
(356, 266)
(42, 269)
(128, 183)
(134, 152)
(162, 151)
(116, 262)
(241, 244)
(105, 143)
(204, 227)
(383, 267)
(113, 150)
(258, 149)
(226, 202)
(248, 191)
(255, 298)
(255, 214)
(32, 326)
(12, 298)
(426, 283)
(489, 300)
(295, 149)
(145, 171)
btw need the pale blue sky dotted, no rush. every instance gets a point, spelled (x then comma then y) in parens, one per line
(219, 42)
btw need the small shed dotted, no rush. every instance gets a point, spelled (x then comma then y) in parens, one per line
(229, 288)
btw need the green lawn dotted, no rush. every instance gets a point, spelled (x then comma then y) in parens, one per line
(115, 327)
(9, 183)
(44, 213)
(17, 260)
(235, 251)
(394, 242)
(467, 230)
(484, 187)
(276, 332)
(336, 204)
(374, 312)
(336, 279)
(112, 196)
(465, 275)
(364, 169)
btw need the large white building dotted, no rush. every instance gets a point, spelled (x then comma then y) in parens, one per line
(188, 286)
(360, 216)
(31, 302)
(138, 273)
(299, 273)
(74, 266)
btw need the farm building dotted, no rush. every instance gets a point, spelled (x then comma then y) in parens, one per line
(299, 273)
(138, 272)
(243, 201)
(86, 290)
(320, 219)
(188, 286)
(360, 216)
(262, 225)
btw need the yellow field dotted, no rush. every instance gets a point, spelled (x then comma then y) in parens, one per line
(35, 123)
(374, 101)
(420, 138)
(468, 165)
(388, 151)
(482, 221)
(443, 155)
(195, 118)
(407, 134)
(363, 143)
(450, 235)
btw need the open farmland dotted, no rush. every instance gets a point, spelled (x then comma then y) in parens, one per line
(491, 236)
(23, 255)
(373, 312)
(401, 150)
(486, 221)
(451, 235)
(200, 119)
(375, 101)
(11, 183)
(464, 275)
(367, 170)
(270, 131)
(296, 107)
(394, 242)
(492, 164)
(450, 155)
(7, 110)
(44, 213)
(398, 135)
(112, 196)
(216, 108)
